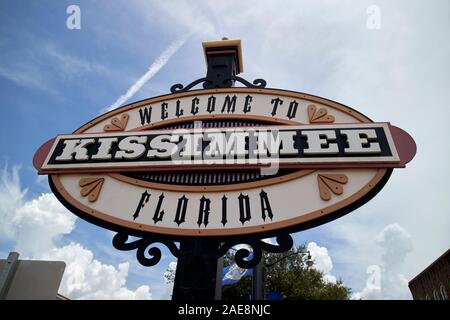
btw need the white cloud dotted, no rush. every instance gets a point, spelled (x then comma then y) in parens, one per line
(396, 242)
(39, 223)
(36, 225)
(386, 281)
(322, 260)
(169, 274)
(88, 278)
(11, 197)
(152, 70)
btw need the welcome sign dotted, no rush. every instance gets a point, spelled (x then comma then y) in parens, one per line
(223, 162)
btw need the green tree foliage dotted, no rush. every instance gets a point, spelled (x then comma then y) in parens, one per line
(288, 274)
(238, 291)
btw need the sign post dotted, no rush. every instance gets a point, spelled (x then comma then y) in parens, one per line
(196, 272)
(221, 166)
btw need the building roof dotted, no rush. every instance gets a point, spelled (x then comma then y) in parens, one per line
(429, 267)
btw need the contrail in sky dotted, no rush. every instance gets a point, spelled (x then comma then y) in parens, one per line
(152, 70)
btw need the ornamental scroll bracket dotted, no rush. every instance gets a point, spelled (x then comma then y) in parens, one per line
(144, 245)
(247, 257)
(211, 83)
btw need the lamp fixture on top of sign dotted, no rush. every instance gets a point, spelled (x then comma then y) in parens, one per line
(194, 163)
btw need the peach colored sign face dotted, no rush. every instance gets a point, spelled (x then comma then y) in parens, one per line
(122, 170)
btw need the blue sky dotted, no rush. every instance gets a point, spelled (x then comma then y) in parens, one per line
(53, 80)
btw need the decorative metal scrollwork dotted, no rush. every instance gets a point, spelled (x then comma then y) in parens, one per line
(212, 83)
(120, 243)
(257, 83)
(256, 246)
(180, 88)
(284, 241)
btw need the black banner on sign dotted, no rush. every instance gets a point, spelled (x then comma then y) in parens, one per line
(352, 143)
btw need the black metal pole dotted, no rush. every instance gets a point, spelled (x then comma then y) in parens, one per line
(257, 281)
(195, 277)
(219, 276)
(197, 272)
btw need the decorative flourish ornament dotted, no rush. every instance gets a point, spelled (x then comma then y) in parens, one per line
(117, 124)
(319, 116)
(91, 187)
(331, 183)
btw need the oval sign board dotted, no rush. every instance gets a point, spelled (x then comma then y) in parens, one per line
(223, 162)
